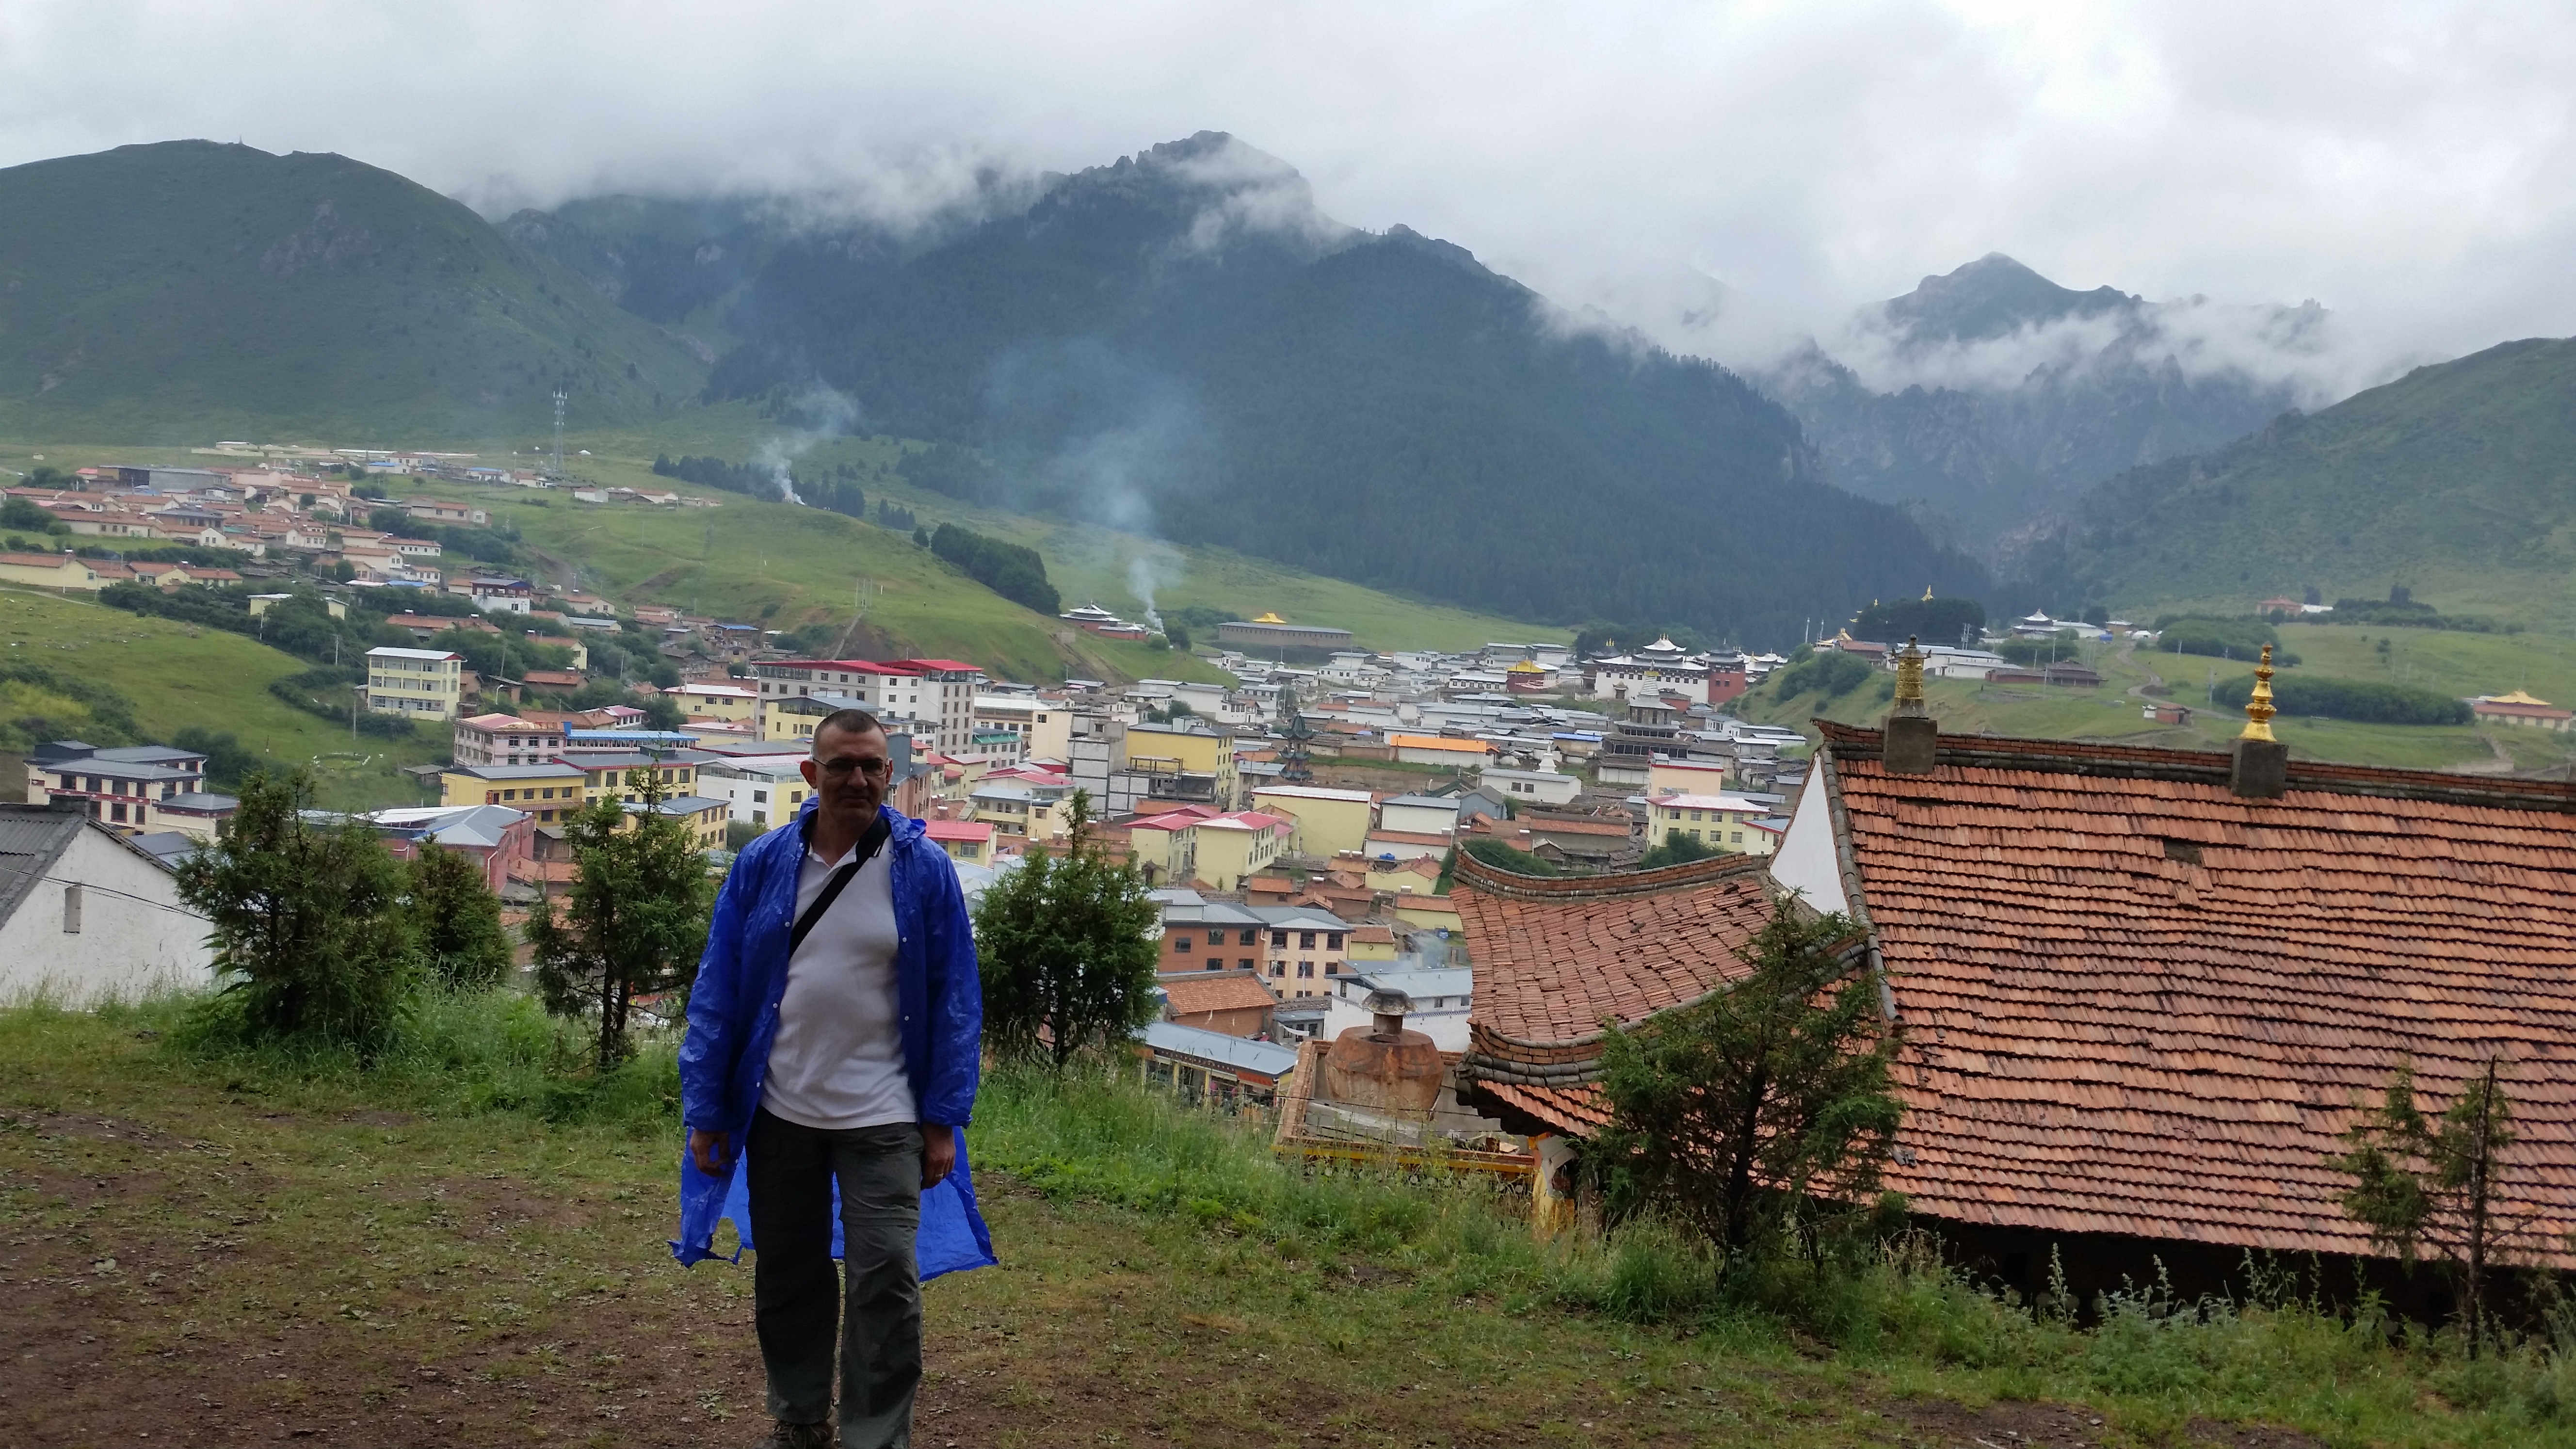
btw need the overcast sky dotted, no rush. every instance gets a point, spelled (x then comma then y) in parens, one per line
(2410, 165)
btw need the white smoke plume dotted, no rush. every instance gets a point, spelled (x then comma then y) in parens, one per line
(821, 412)
(1142, 580)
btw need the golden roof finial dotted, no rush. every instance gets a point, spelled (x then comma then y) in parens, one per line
(1909, 677)
(2258, 708)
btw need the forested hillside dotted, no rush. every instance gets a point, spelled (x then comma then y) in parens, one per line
(2458, 481)
(186, 291)
(1182, 341)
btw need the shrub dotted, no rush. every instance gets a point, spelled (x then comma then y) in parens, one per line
(2220, 638)
(1828, 672)
(2367, 701)
(1504, 857)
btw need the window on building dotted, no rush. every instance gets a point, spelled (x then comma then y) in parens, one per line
(1305, 971)
(1247, 964)
(1250, 938)
(1333, 941)
(1216, 938)
(1332, 968)
(1181, 944)
(1278, 968)
(1279, 939)
(1215, 963)
(1305, 940)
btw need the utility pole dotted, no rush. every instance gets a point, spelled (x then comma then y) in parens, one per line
(560, 396)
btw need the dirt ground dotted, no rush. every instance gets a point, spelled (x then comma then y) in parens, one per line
(195, 1269)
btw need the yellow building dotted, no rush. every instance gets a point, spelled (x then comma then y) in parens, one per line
(56, 571)
(1434, 912)
(1328, 822)
(606, 775)
(1373, 947)
(548, 792)
(421, 683)
(1440, 750)
(1231, 847)
(1685, 777)
(702, 817)
(1165, 847)
(1722, 821)
(1186, 757)
(728, 702)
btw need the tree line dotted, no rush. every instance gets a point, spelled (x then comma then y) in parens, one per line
(1008, 569)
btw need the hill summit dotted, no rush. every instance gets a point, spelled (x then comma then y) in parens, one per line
(186, 290)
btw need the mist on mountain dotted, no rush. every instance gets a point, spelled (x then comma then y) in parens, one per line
(1182, 342)
(1991, 396)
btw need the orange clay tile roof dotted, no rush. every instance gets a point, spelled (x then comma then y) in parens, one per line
(2138, 1003)
(1576, 1110)
(1215, 991)
(1553, 956)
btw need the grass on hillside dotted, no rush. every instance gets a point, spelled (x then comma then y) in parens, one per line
(2110, 713)
(465, 1247)
(177, 675)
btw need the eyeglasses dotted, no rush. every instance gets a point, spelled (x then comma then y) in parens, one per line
(840, 769)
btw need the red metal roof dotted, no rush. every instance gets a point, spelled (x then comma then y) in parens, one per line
(2138, 1003)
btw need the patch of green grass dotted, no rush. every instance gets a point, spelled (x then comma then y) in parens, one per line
(267, 1244)
(177, 675)
(2111, 714)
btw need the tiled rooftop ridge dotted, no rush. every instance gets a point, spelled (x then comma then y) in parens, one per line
(2133, 762)
(1495, 881)
(2138, 1003)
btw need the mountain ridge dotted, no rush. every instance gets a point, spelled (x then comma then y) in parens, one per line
(185, 290)
(1180, 337)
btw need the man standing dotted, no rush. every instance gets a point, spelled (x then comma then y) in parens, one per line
(835, 1034)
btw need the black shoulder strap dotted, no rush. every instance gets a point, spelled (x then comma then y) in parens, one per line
(869, 845)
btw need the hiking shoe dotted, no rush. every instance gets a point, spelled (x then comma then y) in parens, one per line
(783, 1435)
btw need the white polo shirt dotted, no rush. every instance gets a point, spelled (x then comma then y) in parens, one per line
(837, 1061)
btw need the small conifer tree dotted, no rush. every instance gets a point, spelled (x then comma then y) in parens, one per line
(2423, 1182)
(634, 922)
(308, 927)
(457, 920)
(1067, 950)
(1749, 1112)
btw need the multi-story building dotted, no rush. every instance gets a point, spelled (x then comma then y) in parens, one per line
(880, 689)
(506, 739)
(761, 790)
(1329, 821)
(729, 702)
(948, 688)
(1726, 822)
(1182, 763)
(547, 792)
(141, 787)
(422, 683)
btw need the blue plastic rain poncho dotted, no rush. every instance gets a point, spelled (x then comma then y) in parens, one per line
(733, 1016)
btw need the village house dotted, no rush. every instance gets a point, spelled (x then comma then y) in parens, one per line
(136, 787)
(970, 841)
(761, 790)
(1723, 822)
(1328, 822)
(1232, 1003)
(546, 791)
(87, 916)
(729, 702)
(60, 571)
(504, 739)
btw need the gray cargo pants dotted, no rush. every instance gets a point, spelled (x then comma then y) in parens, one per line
(796, 1296)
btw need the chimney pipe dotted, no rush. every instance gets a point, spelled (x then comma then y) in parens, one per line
(1387, 1010)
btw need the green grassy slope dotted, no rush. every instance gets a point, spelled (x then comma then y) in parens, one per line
(1088, 563)
(784, 566)
(2488, 664)
(2457, 480)
(189, 290)
(177, 676)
